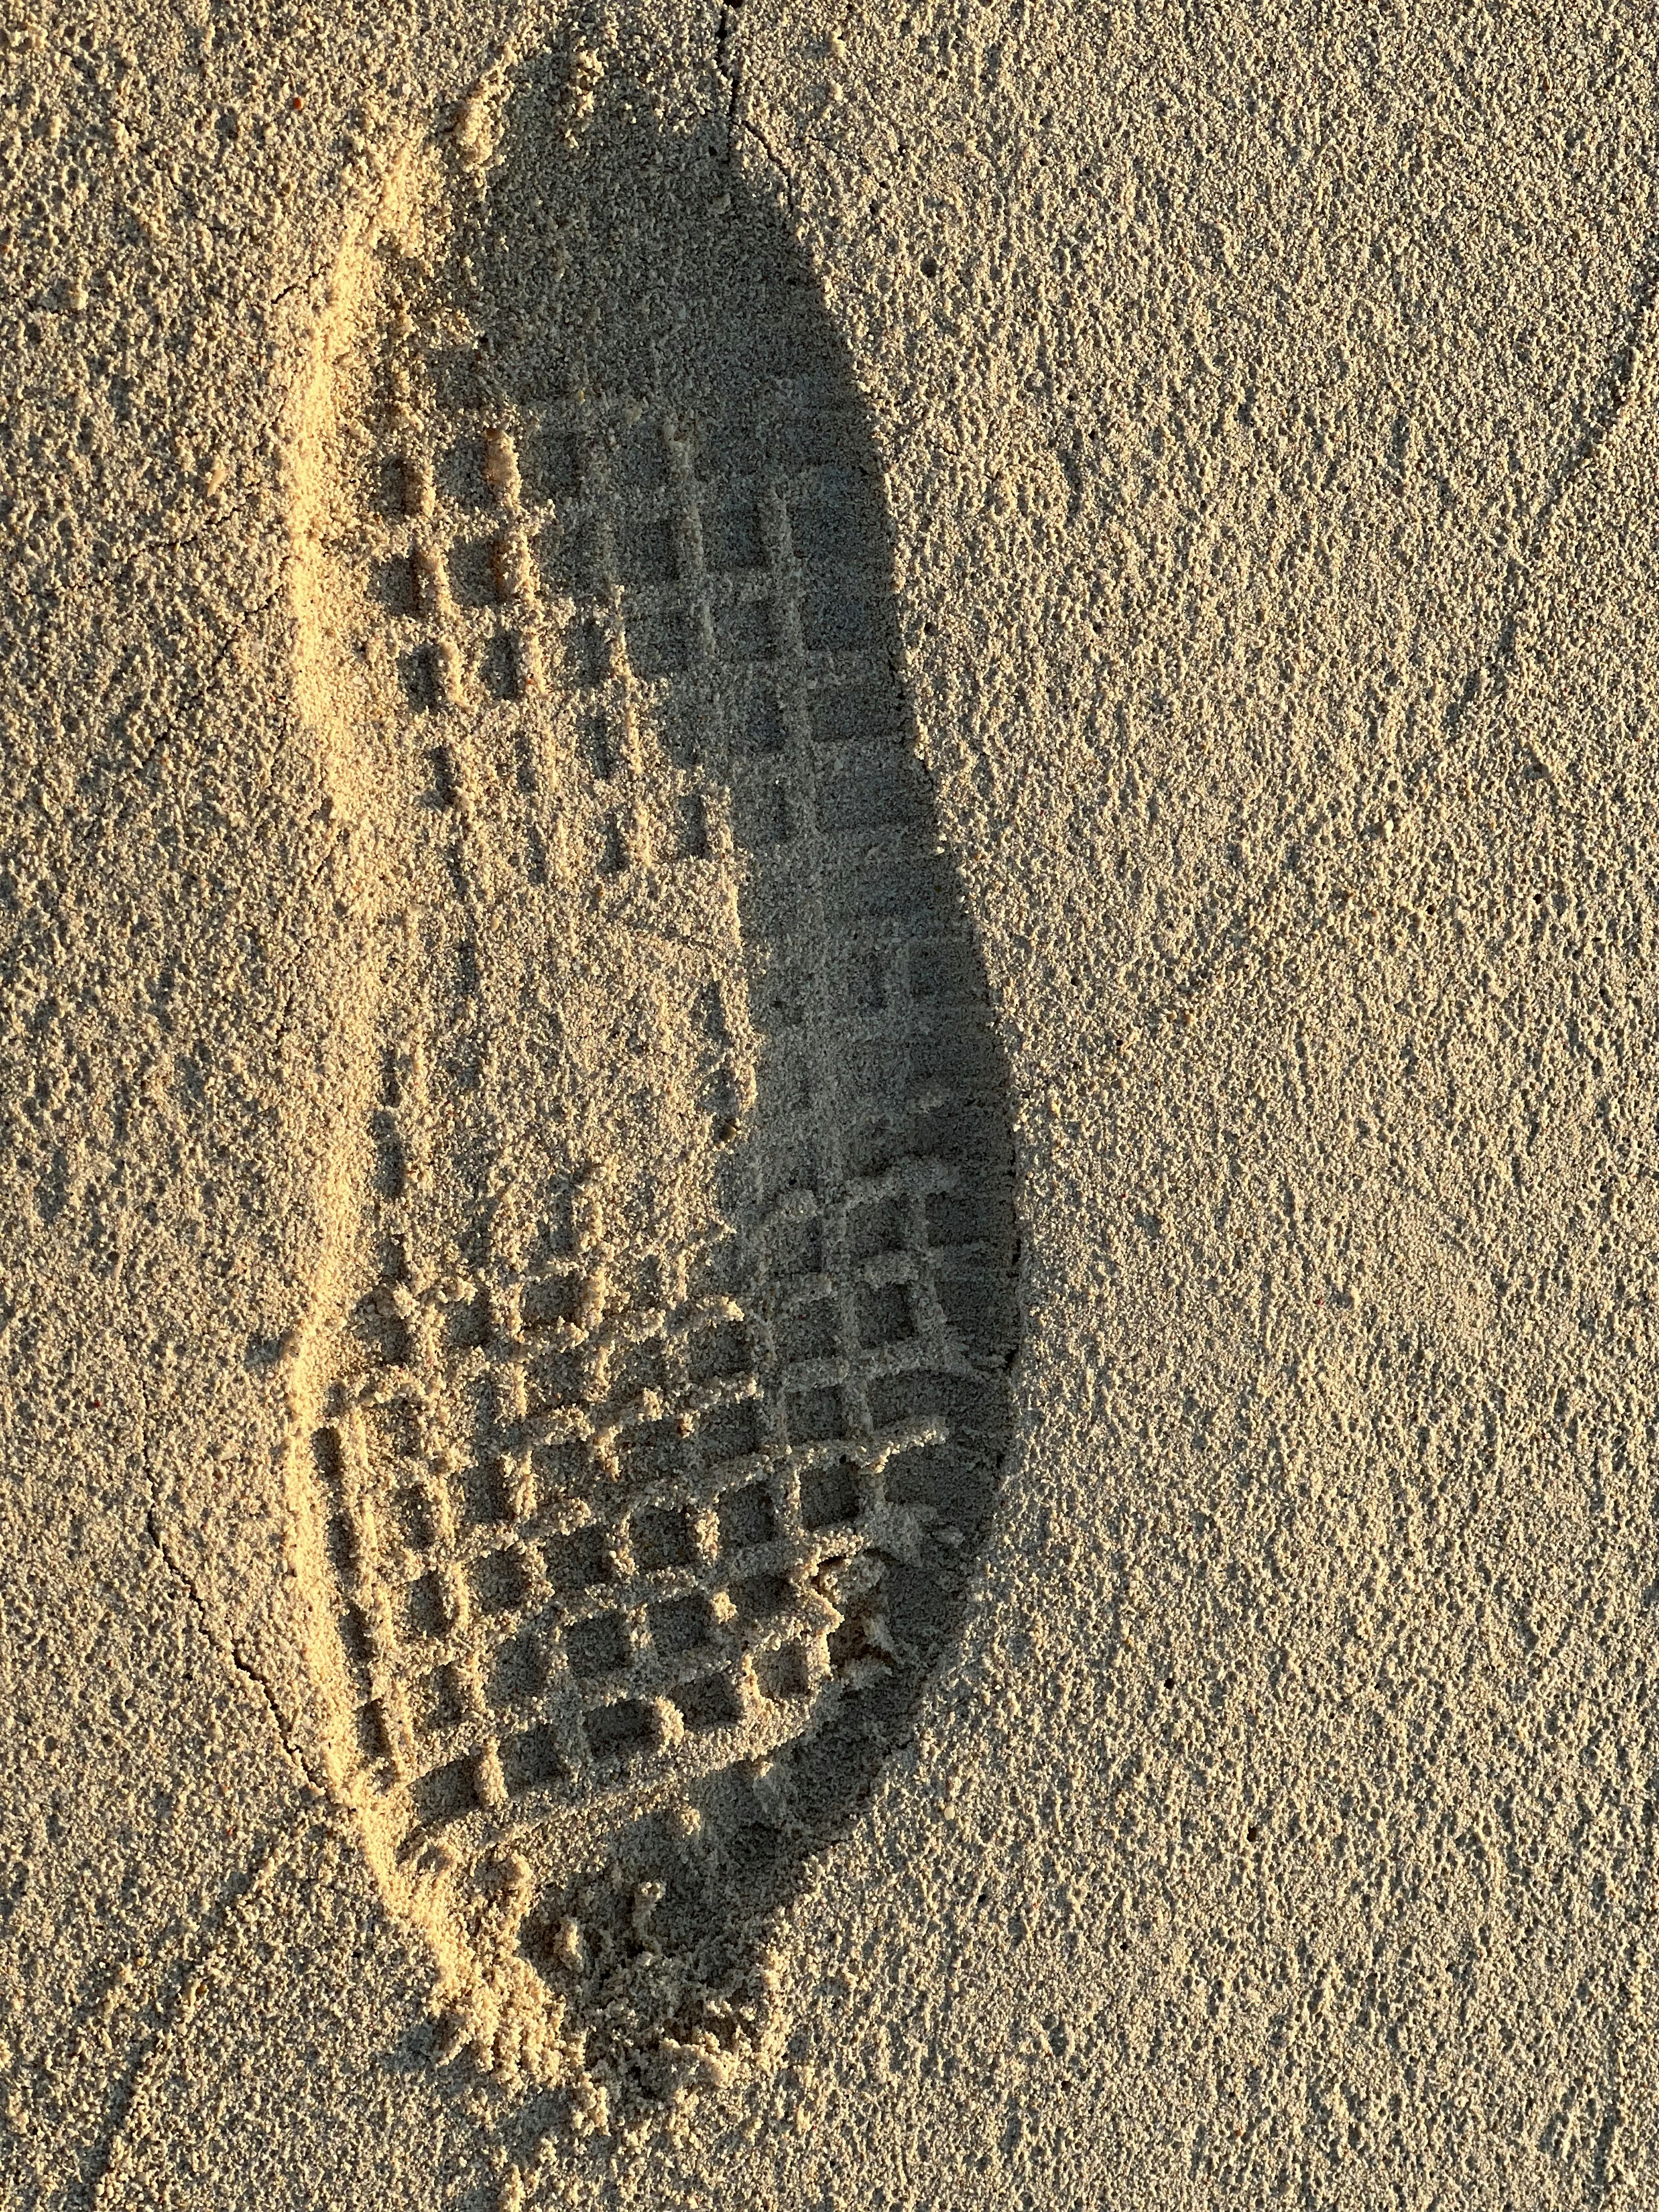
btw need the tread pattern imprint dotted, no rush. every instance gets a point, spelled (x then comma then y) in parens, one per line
(649, 1413)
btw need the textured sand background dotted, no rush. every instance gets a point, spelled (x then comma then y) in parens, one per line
(1270, 412)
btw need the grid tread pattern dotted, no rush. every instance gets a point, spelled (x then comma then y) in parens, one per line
(531, 547)
(518, 1644)
(604, 1581)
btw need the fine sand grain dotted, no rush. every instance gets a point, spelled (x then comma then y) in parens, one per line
(831, 1126)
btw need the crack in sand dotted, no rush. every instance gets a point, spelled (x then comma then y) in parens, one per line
(1484, 683)
(1489, 678)
(174, 2007)
(227, 1646)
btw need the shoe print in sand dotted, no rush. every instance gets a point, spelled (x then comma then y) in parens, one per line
(649, 1413)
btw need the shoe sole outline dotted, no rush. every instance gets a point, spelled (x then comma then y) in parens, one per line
(633, 1494)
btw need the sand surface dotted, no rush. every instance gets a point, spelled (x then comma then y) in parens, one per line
(829, 1128)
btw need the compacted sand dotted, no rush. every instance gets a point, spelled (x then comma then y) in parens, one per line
(830, 1124)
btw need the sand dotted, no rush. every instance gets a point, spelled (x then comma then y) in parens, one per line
(829, 1132)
